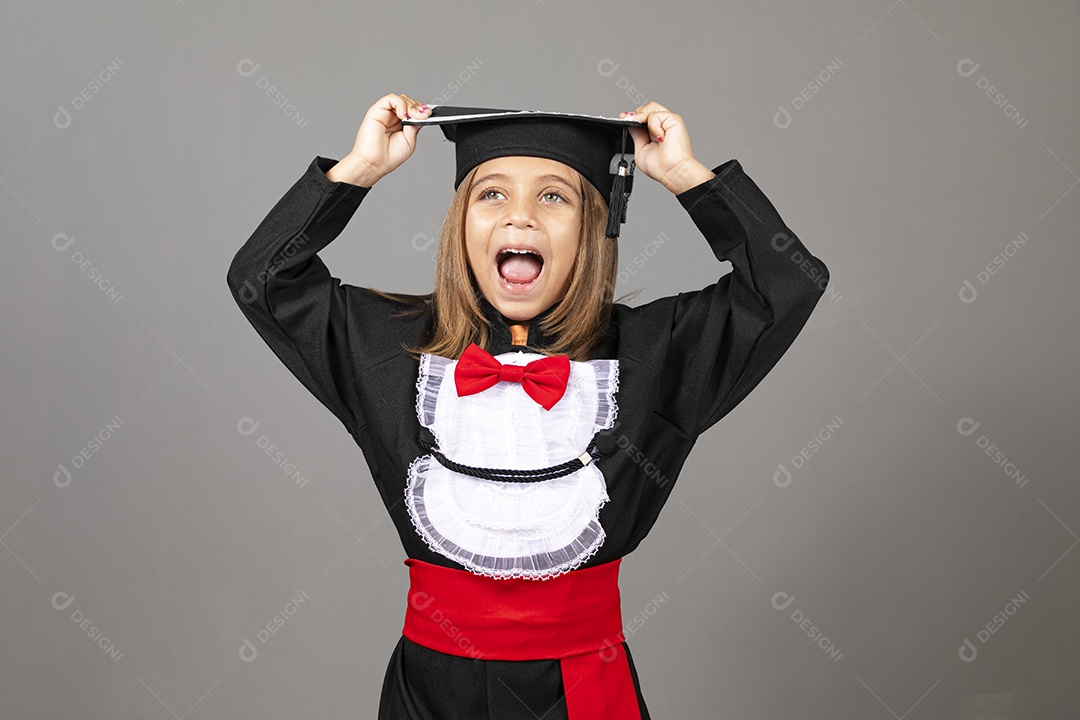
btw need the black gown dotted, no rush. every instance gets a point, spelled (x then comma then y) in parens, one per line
(684, 362)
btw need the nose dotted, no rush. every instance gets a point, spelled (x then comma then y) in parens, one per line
(520, 212)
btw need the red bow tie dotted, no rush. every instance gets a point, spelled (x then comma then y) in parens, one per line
(543, 379)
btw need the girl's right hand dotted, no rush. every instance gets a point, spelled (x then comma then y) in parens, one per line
(382, 142)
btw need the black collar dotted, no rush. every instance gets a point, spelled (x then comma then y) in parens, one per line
(500, 330)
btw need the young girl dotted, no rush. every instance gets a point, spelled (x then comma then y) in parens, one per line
(523, 429)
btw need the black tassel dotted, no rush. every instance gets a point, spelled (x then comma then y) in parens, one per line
(621, 186)
(617, 203)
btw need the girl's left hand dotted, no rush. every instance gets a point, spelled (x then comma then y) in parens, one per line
(669, 160)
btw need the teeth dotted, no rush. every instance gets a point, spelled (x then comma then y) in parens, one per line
(519, 252)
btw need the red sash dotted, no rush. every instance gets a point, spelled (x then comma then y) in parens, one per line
(575, 618)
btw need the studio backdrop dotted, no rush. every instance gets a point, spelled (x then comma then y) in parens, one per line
(886, 527)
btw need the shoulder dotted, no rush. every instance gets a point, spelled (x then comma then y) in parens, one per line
(655, 313)
(379, 322)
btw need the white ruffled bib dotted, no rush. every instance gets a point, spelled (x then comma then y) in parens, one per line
(534, 530)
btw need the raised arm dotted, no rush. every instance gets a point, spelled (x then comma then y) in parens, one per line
(308, 317)
(726, 337)
(287, 294)
(729, 335)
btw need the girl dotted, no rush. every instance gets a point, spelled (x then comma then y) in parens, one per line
(523, 429)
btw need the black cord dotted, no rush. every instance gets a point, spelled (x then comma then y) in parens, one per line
(505, 475)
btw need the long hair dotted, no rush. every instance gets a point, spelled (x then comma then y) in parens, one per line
(577, 323)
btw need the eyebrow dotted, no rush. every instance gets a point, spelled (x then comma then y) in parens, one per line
(501, 176)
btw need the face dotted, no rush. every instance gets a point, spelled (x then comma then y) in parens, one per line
(520, 203)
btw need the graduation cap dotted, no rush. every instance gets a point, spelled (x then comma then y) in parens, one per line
(598, 147)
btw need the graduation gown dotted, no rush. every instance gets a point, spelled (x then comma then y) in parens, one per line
(684, 362)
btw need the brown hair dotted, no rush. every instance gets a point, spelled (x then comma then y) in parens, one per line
(577, 322)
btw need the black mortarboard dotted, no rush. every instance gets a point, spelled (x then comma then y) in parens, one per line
(600, 148)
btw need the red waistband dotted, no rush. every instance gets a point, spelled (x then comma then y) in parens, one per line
(575, 618)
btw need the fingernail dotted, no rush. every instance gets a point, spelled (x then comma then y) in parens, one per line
(659, 138)
(424, 108)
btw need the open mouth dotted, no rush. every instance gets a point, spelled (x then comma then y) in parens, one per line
(519, 267)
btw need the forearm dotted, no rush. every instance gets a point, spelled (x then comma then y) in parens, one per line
(689, 173)
(353, 171)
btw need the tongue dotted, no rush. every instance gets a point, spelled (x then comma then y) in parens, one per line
(520, 268)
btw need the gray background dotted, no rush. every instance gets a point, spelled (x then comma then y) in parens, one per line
(145, 141)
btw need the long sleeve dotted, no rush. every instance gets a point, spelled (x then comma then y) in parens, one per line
(728, 336)
(288, 295)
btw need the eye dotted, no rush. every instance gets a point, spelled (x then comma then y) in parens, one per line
(486, 194)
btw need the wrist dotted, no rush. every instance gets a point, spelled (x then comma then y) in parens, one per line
(355, 171)
(687, 174)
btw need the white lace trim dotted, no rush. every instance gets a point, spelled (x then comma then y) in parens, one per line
(555, 530)
(501, 529)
